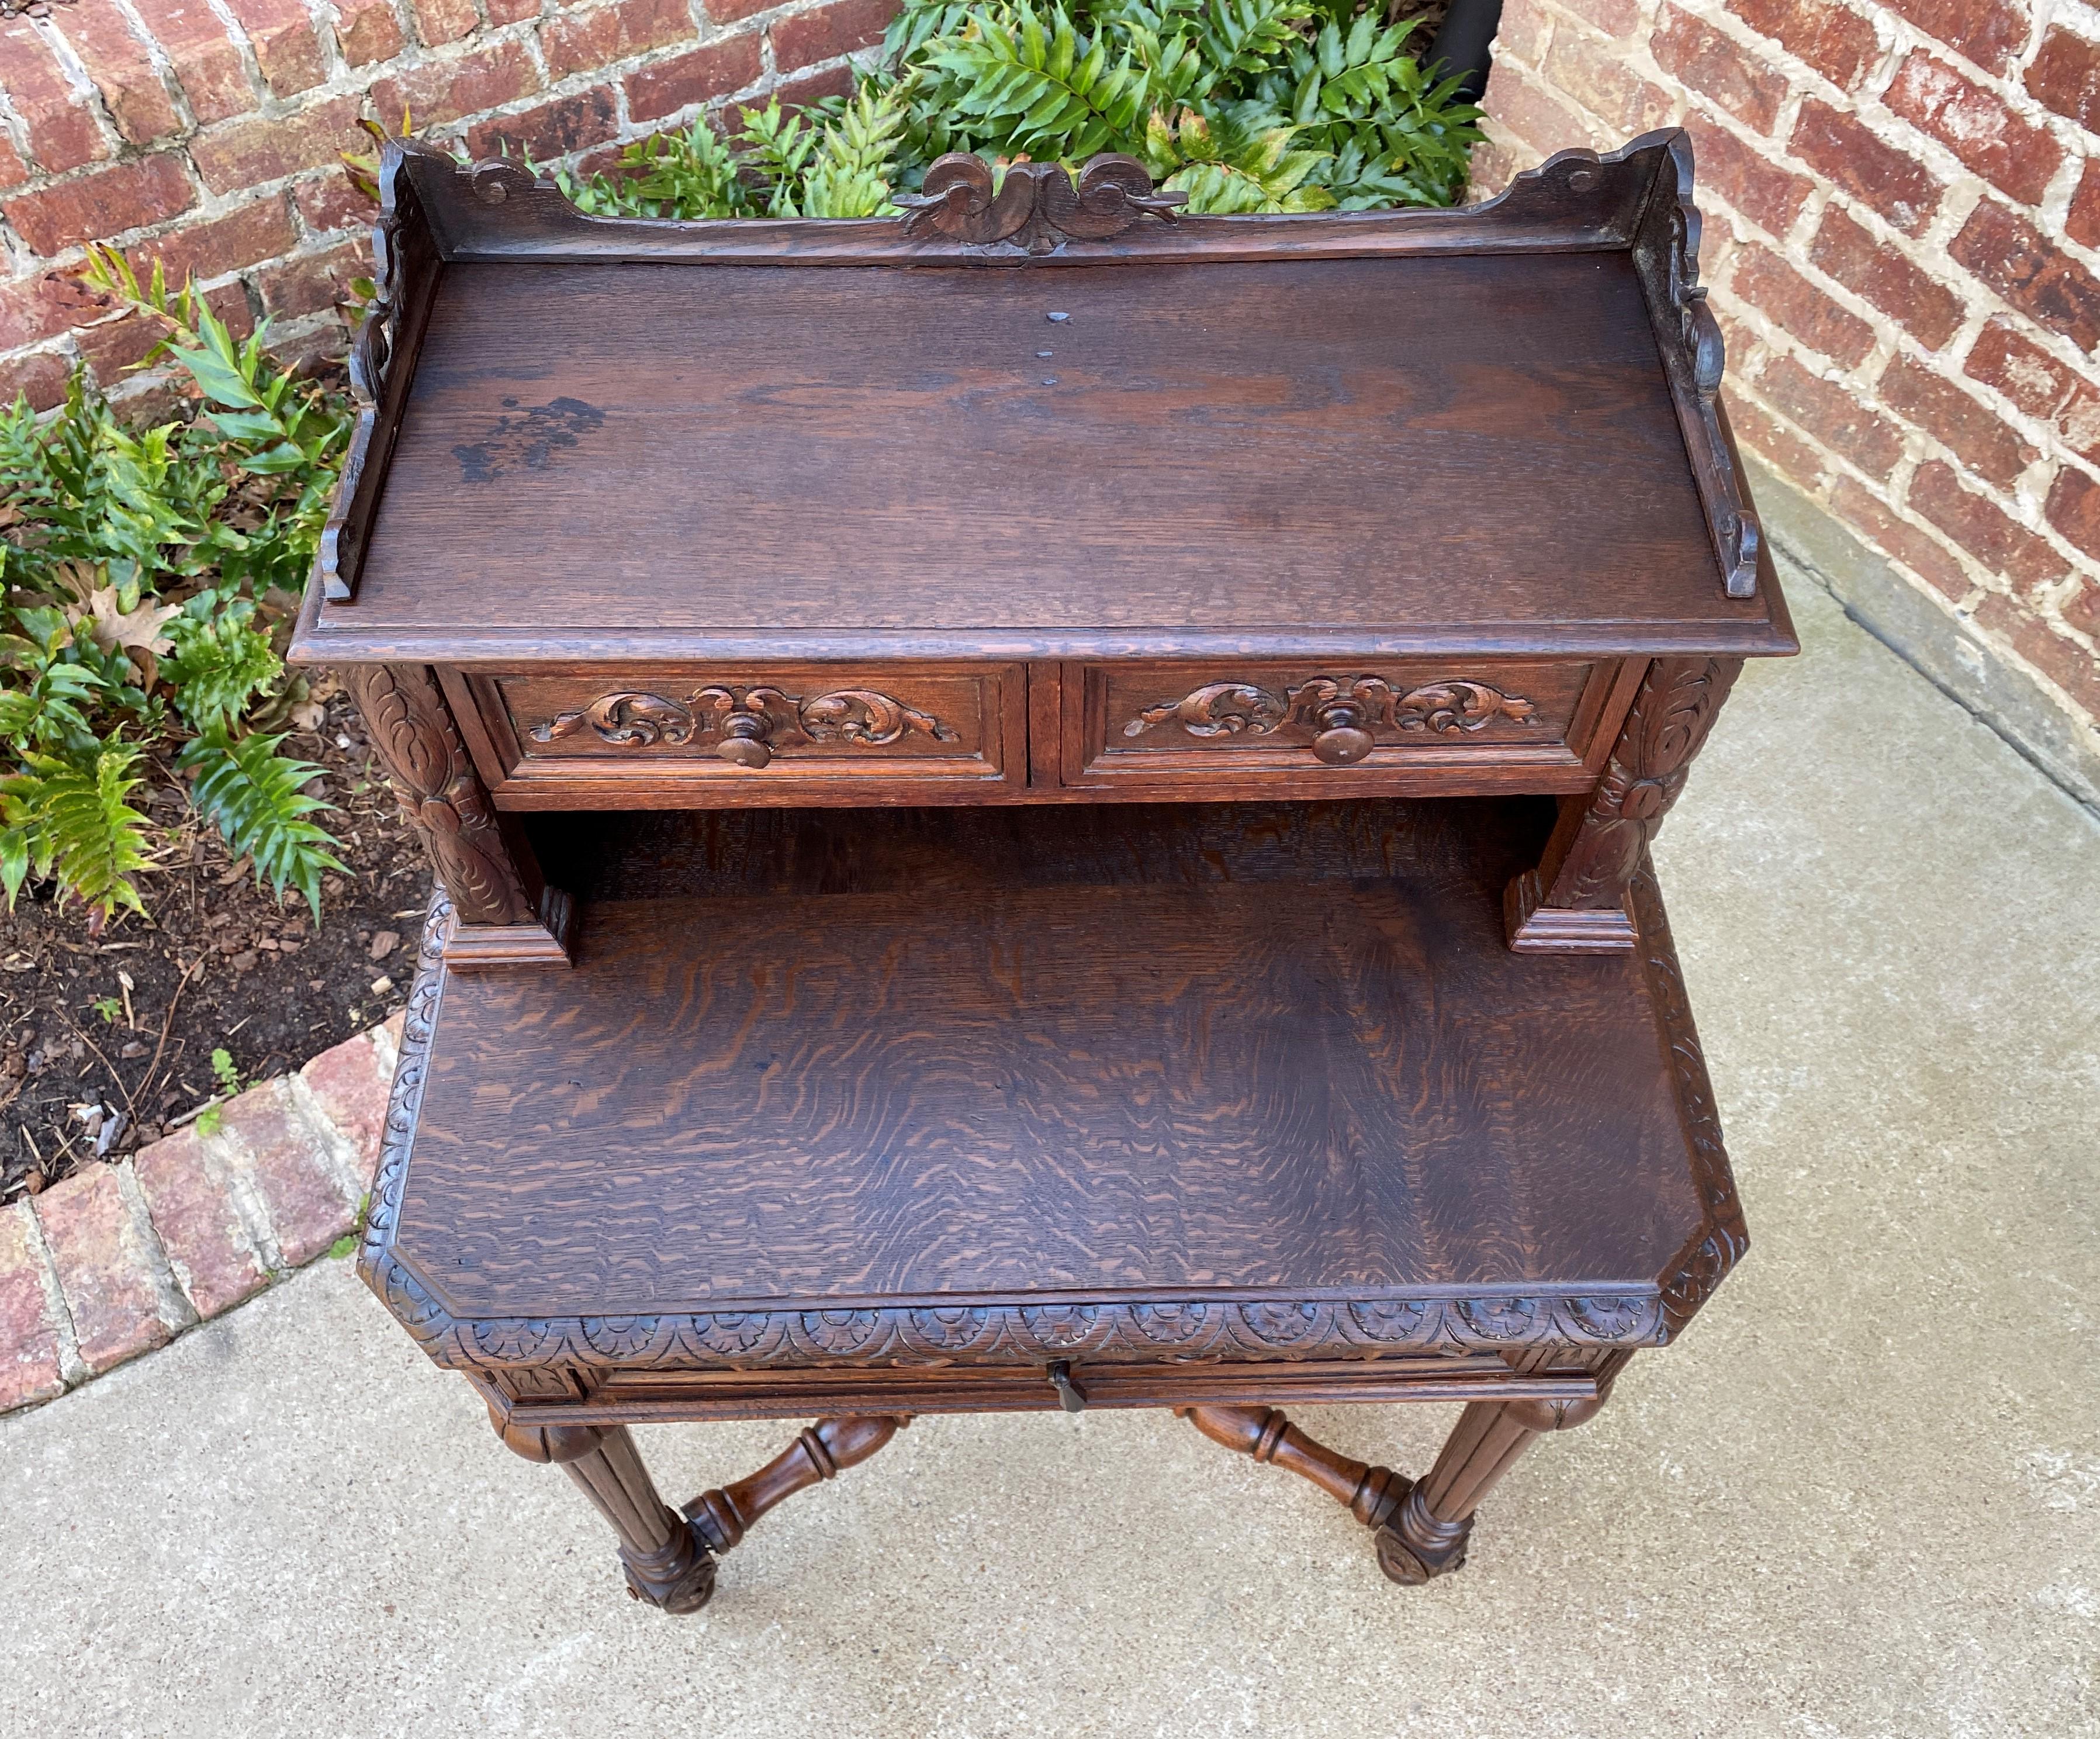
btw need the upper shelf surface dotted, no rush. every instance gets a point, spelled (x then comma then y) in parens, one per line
(1477, 447)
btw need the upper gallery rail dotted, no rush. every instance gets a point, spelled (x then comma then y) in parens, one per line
(1637, 200)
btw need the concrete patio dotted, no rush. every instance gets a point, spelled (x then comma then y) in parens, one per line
(1861, 1498)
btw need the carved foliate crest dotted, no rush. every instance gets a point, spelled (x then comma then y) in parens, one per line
(1036, 208)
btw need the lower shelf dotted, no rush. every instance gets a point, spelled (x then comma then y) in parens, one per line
(945, 1097)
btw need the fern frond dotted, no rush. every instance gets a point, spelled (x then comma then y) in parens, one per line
(221, 661)
(257, 798)
(1222, 167)
(74, 822)
(1034, 82)
(682, 175)
(780, 145)
(848, 174)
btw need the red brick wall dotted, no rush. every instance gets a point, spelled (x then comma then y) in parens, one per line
(1902, 237)
(206, 131)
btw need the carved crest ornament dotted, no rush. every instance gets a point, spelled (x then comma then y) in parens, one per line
(1036, 207)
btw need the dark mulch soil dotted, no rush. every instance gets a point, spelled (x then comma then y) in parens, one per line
(217, 964)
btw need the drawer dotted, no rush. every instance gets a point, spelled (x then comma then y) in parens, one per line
(673, 736)
(1388, 726)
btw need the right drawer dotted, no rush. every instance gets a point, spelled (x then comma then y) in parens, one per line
(1225, 729)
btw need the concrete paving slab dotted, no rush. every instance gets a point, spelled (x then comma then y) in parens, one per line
(1862, 1498)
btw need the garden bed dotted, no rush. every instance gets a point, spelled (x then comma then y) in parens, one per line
(258, 980)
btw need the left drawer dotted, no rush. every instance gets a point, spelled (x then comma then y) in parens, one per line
(703, 735)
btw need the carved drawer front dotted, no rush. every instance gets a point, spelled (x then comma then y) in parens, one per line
(703, 735)
(1444, 724)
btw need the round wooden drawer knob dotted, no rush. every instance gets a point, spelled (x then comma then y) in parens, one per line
(1342, 741)
(743, 744)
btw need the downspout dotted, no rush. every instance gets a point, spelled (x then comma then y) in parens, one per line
(1465, 42)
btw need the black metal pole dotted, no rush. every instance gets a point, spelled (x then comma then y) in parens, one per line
(1465, 42)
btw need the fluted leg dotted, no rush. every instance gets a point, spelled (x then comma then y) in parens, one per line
(1426, 1535)
(665, 1556)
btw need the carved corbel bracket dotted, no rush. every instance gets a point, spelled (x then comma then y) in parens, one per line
(1575, 901)
(503, 910)
(1036, 208)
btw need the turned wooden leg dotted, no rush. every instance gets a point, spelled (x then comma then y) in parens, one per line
(1371, 1494)
(721, 1516)
(1426, 1535)
(666, 1557)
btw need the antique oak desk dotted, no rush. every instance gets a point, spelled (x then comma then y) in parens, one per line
(1042, 803)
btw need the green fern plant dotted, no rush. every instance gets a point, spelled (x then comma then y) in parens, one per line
(847, 173)
(220, 661)
(145, 579)
(257, 798)
(72, 822)
(1245, 105)
(1224, 167)
(691, 173)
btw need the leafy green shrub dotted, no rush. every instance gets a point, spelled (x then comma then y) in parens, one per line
(146, 578)
(1244, 105)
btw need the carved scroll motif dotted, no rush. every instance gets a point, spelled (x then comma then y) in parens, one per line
(439, 793)
(1036, 207)
(1450, 708)
(630, 718)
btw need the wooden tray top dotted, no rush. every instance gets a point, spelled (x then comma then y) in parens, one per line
(1369, 433)
(1253, 1081)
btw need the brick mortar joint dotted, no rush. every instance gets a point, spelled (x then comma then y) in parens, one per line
(72, 1368)
(176, 1311)
(341, 1151)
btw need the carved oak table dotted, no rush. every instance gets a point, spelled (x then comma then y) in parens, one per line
(1042, 804)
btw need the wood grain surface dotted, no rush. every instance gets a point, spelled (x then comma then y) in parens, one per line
(1041, 1055)
(1462, 446)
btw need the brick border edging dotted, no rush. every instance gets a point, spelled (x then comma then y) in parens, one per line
(119, 1259)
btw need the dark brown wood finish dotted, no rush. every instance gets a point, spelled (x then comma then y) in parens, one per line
(1574, 901)
(405, 268)
(1397, 728)
(1039, 741)
(643, 736)
(901, 464)
(721, 1515)
(1168, 978)
(507, 910)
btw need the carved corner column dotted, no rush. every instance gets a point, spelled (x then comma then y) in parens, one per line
(503, 910)
(666, 1558)
(1575, 901)
(1427, 1533)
